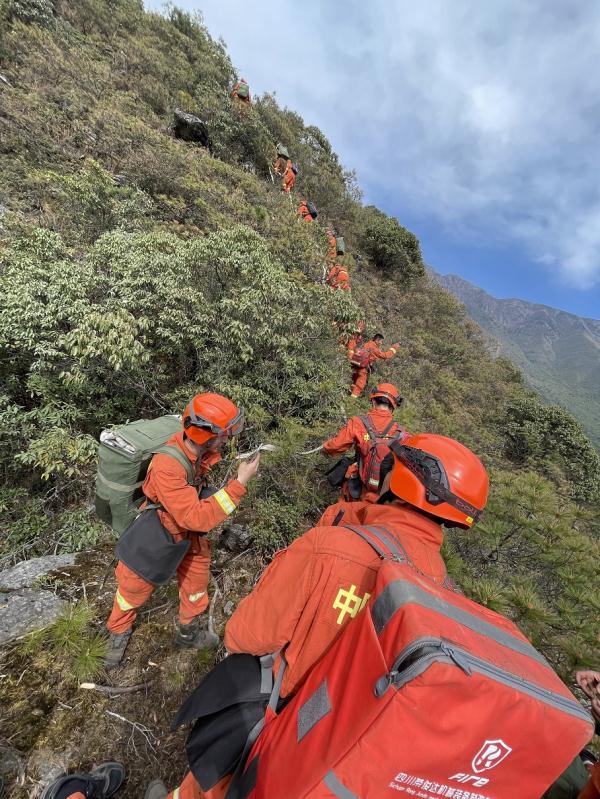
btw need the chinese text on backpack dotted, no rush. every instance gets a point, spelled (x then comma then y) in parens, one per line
(424, 694)
(369, 466)
(123, 458)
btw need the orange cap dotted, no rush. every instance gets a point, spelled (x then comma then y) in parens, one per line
(441, 476)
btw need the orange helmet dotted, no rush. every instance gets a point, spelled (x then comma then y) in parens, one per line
(209, 415)
(389, 392)
(441, 476)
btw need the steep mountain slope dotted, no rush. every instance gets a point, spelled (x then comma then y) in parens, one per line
(138, 269)
(558, 352)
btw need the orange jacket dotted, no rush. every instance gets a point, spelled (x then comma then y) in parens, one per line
(338, 277)
(355, 434)
(184, 512)
(377, 353)
(355, 341)
(298, 602)
(234, 93)
(289, 178)
(331, 246)
(304, 212)
(592, 789)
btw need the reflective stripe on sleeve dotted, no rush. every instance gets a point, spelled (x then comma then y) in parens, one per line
(176, 793)
(122, 602)
(225, 502)
(392, 350)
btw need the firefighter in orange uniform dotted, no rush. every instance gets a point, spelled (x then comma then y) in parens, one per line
(331, 245)
(356, 339)
(289, 177)
(307, 211)
(338, 278)
(370, 436)
(241, 92)
(373, 351)
(294, 605)
(209, 421)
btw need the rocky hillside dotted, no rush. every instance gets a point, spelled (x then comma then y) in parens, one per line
(137, 269)
(558, 352)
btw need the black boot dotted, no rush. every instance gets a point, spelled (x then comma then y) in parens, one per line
(115, 649)
(190, 636)
(100, 783)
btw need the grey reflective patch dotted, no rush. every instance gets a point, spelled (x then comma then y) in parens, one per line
(266, 673)
(336, 787)
(313, 710)
(402, 592)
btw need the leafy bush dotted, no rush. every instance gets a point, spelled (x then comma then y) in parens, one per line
(394, 249)
(536, 433)
(40, 12)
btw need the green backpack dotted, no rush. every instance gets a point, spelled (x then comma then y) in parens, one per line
(124, 455)
(340, 245)
(282, 151)
(242, 91)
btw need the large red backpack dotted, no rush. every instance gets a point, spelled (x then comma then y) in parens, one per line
(424, 694)
(378, 446)
(361, 358)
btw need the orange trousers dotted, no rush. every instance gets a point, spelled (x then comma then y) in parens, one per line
(359, 381)
(133, 591)
(189, 789)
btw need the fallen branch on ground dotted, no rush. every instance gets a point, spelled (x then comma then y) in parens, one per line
(115, 689)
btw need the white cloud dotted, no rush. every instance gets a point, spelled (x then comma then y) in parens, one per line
(487, 113)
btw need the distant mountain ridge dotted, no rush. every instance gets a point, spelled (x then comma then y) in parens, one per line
(558, 352)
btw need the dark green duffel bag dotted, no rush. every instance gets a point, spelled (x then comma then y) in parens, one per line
(124, 455)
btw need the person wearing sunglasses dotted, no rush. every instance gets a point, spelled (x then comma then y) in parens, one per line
(170, 533)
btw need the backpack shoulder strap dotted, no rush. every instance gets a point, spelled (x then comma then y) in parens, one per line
(175, 453)
(384, 433)
(382, 541)
(369, 425)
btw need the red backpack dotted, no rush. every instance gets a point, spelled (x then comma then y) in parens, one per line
(424, 694)
(361, 358)
(369, 466)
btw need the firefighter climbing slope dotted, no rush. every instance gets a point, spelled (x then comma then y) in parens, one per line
(169, 536)
(363, 358)
(370, 436)
(241, 92)
(289, 177)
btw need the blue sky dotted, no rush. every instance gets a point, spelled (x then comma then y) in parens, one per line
(476, 124)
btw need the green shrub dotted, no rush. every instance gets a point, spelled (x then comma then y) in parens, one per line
(40, 12)
(538, 434)
(394, 249)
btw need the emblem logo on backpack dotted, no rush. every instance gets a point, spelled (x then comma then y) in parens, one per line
(490, 755)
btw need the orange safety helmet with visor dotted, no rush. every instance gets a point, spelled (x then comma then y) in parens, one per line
(387, 391)
(210, 416)
(441, 476)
